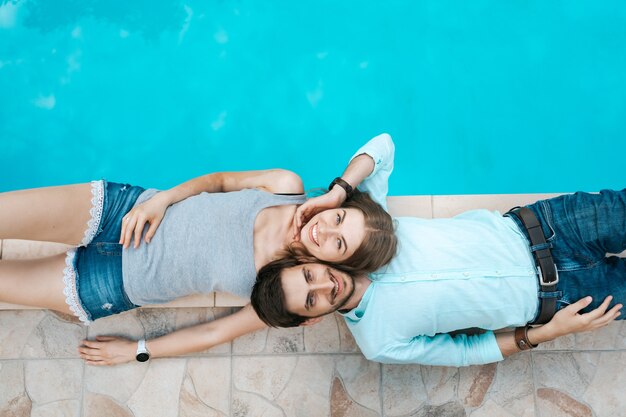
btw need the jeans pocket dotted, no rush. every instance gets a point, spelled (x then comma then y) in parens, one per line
(109, 249)
(548, 226)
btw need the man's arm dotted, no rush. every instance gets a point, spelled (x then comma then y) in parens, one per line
(564, 322)
(106, 350)
(464, 350)
(439, 350)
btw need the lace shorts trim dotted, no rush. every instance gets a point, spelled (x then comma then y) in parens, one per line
(97, 205)
(70, 289)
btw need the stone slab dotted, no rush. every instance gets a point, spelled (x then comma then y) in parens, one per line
(411, 206)
(451, 205)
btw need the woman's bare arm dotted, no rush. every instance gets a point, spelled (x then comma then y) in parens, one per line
(107, 350)
(153, 210)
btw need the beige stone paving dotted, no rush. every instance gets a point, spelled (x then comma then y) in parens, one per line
(311, 371)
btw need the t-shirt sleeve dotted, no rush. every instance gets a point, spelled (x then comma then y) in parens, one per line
(381, 149)
(444, 350)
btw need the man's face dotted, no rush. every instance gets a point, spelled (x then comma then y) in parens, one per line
(313, 290)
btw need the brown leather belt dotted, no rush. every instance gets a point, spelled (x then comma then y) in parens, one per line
(546, 269)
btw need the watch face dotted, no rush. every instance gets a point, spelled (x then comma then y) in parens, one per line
(142, 357)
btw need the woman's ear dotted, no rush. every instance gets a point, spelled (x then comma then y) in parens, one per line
(311, 321)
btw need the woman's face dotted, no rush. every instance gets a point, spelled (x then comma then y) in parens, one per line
(334, 235)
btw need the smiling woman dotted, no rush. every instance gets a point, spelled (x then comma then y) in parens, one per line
(359, 234)
(331, 231)
(212, 233)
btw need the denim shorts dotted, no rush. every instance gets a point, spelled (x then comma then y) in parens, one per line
(97, 287)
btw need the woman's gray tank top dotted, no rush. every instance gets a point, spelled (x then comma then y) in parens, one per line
(203, 244)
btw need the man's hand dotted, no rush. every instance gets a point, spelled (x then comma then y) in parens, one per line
(566, 321)
(106, 350)
(151, 211)
(332, 199)
(569, 320)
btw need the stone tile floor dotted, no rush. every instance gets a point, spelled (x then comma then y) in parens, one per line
(312, 371)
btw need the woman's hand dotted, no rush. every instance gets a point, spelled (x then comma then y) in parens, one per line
(332, 199)
(569, 320)
(151, 211)
(107, 350)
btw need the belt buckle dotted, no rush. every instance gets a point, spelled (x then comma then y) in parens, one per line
(544, 283)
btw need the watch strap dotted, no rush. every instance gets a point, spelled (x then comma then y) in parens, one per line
(142, 354)
(343, 184)
(521, 338)
(141, 346)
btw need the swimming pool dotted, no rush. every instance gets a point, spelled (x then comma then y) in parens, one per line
(480, 97)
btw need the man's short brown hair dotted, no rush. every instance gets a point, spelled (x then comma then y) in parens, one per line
(268, 297)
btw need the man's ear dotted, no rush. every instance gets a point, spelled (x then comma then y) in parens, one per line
(311, 321)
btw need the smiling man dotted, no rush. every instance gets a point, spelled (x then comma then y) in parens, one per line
(289, 293)
(547, 263)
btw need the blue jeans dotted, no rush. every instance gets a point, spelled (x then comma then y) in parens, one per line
(582, 229)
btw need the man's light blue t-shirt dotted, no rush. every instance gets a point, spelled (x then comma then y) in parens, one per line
(472, 270)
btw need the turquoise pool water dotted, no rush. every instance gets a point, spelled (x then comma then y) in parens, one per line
(480, 96)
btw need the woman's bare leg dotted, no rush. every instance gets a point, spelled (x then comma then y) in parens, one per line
(34, 282)
(53, 214)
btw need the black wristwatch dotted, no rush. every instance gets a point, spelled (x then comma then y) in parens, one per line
(343, 184)
(142, 351)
